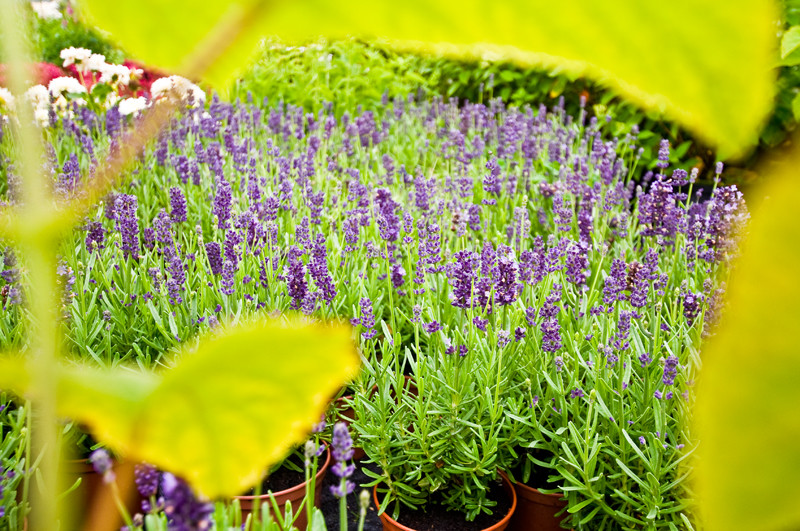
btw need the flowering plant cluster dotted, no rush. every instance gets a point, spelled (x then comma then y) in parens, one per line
(514, 264)
(100, 86)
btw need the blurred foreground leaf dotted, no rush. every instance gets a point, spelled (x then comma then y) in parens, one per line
(224, 413)
(748, 465)
(705, 63)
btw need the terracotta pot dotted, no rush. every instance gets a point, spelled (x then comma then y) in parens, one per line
(390, 524)
(292, 495)
(93, 501)
(537, 510)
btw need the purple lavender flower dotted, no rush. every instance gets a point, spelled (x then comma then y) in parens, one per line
(296, 277)
(577, 265)
(146, 478)
(302, 234)
(342, 450)
(318, 269)
(491, 182)
(101, 462)
(367, 319)
(176, 281)
(659, 215)
(222, 203)
(670, 370)
(461, 276)
(576, 393)
(663, 154)
(127, 224)
(184, 511)
(214, 252)
(67, 181)
(432, 327)
(551, 329)
(177, 202)
(506, 286)
(616, 281)
(503, 338)
(692, 305)
(645, 359)
(519, 333)
(95, 236)
(623, 330)
(227, 283)
(388, 220)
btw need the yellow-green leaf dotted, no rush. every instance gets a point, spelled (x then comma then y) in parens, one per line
(748, 465)
(705, 63)
(790, 46)
(224, 413)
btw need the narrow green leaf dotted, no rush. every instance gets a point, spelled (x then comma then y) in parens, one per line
(747, 394)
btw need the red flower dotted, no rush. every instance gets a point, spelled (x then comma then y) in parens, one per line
(41, 73)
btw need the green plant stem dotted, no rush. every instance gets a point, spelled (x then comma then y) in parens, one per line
(126, 517)
(31, 229)
(343, 508)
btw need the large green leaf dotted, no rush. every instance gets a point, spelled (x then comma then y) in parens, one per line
(224, 413)
(705, 63)
(748, 466)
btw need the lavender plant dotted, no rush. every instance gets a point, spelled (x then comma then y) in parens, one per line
(538, 290)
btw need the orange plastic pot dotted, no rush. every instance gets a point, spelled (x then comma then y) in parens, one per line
(95, 505)
(390, 524)
(293, 495)
(537, 510)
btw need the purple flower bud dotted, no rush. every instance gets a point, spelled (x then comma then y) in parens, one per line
(101, 462)
(177, 202)
(146, 477)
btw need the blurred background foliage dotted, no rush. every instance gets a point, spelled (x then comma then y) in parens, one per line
(349, 73)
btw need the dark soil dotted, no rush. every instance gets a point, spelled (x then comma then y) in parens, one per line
(329, 504)
(282, 479)
(539, 478)
(437, 518)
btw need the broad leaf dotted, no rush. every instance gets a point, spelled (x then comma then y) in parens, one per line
(705, 63)
(790, 46)
(748, 466)
(224, 413)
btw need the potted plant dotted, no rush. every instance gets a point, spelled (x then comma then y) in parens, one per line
(292, 482)
(438, 442)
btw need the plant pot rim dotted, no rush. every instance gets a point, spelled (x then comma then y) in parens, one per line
(556, 498)
(502, 524)
(320, 474)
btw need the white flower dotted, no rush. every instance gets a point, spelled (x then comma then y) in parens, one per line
(181, 86)
(38, 96)
(96, 62)
(42, 116)
(115, 74)
(6, 99)
(76, 56)
(160, 87)
(60, 85)
(132, 105)
(110, 100)
(47, 10)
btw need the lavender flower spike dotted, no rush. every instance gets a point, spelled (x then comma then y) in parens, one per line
(342, 446)
(101, 462)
